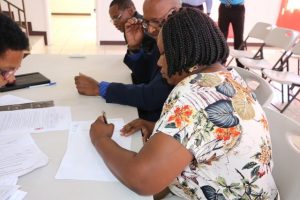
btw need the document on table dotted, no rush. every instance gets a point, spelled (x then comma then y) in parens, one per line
(81, 160)
(36, 120)
(19, 154)
(9, 189)
(11, 100)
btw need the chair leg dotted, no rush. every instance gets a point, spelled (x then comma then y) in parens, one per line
(282, 93)
(290, 101)
(229, 61)
(298, 66)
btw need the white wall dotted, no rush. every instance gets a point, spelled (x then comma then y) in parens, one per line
(72, 6)
(256, 10)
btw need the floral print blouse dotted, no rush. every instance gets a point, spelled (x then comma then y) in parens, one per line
(218, 119)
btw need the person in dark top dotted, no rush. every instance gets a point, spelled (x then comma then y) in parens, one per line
(149, 90)
(13, 43)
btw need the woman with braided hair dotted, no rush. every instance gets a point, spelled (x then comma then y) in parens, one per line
(212, 140)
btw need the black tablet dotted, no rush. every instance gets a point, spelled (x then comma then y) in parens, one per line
(26, 80)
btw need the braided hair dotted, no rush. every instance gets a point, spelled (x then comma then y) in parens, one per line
(191, 38)
(11, 35)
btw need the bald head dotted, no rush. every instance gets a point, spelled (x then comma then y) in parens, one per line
(154, 7)
(157, 11)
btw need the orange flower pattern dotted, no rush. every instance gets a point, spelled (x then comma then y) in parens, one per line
(226, 133)
(264, 122)
(181, 116)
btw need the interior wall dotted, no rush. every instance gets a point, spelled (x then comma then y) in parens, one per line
(72, 6)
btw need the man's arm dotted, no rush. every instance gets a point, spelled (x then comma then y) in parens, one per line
(148, 97)
(143, 61)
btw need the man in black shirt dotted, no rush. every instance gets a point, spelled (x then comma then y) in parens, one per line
(149, 91)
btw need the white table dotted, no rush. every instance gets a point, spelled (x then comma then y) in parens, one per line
(41, 184)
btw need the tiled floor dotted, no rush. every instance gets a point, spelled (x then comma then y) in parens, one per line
(77, 35)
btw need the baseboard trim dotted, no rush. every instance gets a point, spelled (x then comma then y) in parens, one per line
(72, 14)
(112, 42)
(252, 44)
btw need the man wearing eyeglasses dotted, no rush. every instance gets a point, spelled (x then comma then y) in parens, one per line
(120, 12)
(12, 44)
(150, 91)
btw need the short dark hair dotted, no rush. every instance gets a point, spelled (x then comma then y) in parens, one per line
(11, 35)
(191, 38)
(122, 4)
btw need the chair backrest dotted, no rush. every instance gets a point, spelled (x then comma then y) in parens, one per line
(261, 87)
(296, 49)
(282, 38)
(260, 30)
(285, 133)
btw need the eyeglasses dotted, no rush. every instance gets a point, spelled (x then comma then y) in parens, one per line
(156, 23)
(117, 18)
(153, 23)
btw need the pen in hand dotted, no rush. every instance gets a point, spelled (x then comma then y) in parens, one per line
(104, 117)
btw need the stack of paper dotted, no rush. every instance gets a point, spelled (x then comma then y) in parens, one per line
(33, 120)
(19, 154)
(9, 189)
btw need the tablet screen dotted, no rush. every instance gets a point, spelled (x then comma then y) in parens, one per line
(26, 80)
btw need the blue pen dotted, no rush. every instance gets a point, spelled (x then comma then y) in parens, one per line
(47, 84)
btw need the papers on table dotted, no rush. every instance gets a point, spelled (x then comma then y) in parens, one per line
(36, 120)
(33, 120)
(19, 154)
(81, 161)
(11, 100)
(9, 189)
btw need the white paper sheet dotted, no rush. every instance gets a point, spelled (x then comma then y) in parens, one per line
(18, 195)
(36, 120)
(82, 161)
(19, 154)
(11, 100)
(9, 189)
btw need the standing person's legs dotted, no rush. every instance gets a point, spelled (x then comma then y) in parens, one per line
(237, 21)
(224, 21)
(200, 7)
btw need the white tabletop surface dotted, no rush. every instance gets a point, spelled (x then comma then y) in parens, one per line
(41, 184)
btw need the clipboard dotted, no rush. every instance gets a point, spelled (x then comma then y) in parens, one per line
(32, 105)
(26, 80)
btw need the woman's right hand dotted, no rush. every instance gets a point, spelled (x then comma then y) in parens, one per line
(138, 124)
(3, 81)
(134, 33)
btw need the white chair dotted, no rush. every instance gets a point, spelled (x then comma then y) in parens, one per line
(290, 79)
(281, 38)
(285, 137)
(260, 86)
(259, 32)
